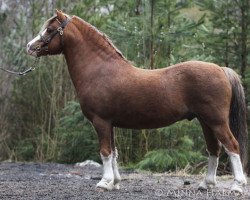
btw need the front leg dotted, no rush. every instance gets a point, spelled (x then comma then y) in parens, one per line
(103, 129)
(117, 177)
(107, 181)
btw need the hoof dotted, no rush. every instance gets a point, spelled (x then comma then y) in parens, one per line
(205, 186)
(117, 186)
(117, 182)
(238, 187)
(105, 185)
(202, 186)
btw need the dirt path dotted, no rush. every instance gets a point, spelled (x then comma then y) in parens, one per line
(56, 181)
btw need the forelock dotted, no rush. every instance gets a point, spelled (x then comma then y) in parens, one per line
(47, 23)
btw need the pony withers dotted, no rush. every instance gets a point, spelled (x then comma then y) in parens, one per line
(114, 93)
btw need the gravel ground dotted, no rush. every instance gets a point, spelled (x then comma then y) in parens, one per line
(57, 181)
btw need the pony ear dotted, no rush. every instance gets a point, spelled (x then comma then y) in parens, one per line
(60, 15)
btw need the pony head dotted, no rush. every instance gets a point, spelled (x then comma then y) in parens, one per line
(49, 41)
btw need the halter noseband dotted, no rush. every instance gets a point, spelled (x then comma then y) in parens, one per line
(48, 39)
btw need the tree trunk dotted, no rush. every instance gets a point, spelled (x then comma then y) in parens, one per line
(244, 15)
(151, 34)
(169, 25)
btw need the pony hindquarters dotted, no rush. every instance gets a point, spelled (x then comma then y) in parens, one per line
(238, 122)
(238, 125)
(219, 129)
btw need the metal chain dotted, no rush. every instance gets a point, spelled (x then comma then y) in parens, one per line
(23, 73)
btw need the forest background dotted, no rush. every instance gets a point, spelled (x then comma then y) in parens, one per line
(40, 118)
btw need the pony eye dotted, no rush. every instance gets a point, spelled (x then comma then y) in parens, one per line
(49, 30)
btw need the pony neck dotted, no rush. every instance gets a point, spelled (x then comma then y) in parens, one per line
(90, 43)
(88, 51)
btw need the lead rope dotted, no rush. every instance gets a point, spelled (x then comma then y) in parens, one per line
(23, 73)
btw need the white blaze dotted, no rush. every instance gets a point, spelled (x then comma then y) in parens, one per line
(38, 37)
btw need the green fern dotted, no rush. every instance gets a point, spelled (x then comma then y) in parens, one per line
(169, 159)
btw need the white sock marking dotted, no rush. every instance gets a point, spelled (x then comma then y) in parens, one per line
(107, 180)
(212, 168)
(107, 167)
(237, 168)
(117, 177)
(210, 179)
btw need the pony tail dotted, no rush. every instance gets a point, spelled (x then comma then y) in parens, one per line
(238, 113)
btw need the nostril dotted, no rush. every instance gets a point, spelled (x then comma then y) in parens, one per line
(28, 45)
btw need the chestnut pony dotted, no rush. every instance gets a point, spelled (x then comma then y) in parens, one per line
(113, 93)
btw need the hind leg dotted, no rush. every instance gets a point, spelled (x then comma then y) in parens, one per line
(213, 148)
(225, 136)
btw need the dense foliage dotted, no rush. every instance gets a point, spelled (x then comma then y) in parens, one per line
(76, 139)
(40, 117)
